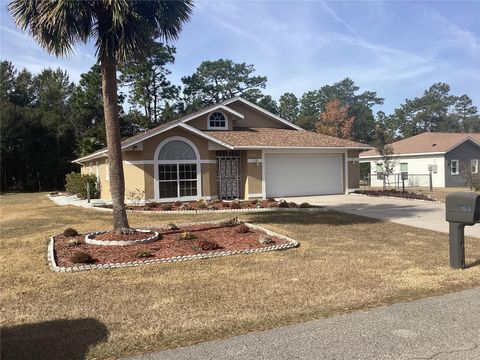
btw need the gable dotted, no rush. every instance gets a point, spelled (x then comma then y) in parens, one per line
(254, 118)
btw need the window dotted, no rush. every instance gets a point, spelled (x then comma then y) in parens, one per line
(177, 170)
(474, 166)
(454, 167)
(217, 120)
(379, 171)
(404, 167)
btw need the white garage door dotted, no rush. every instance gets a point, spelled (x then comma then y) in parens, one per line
(303, 174)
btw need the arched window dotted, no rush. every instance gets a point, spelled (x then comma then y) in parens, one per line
(177, 150)
(217, 120)
(177, 170)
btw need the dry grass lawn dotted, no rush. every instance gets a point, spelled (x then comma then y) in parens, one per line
(437, 193)
(344, 263)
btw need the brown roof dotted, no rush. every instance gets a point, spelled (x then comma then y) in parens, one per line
(429, 142)
(274, 137)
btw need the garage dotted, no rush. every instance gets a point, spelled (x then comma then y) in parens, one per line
(303, 174)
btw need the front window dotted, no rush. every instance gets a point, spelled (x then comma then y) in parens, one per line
(217, 120)
(454, 167)
(474, 164)
(404, 167)
(177, 171)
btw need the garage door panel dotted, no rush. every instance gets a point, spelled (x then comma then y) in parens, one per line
(303, 174)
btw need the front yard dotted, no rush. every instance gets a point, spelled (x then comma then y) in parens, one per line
(344, 263)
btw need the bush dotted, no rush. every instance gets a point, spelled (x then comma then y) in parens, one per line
(76, 184)
(186, 235)
(305, 205)
(283, 204)
(265, 239)
(230, 222)
(292, 205)
(74, 242)
(205, 245)
(143, 254)
(167, 207)
(243, 229)
(70, 232)
(81, 258)
(172, 226)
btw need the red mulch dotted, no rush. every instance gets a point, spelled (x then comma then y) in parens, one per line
(169, 246)
(110, 236)
(396, 193)
(211, 205)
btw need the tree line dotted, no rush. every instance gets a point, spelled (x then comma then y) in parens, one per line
(48, 120)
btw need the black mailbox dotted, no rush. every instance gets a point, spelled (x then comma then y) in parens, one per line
(461, 209)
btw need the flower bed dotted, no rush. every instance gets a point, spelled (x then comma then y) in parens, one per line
(395, 193)
(109, 238)
(203, 240)
(216, 205)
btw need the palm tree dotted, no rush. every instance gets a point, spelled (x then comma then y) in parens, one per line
(121, 29)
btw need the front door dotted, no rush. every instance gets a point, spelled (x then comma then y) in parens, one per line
(228, 174)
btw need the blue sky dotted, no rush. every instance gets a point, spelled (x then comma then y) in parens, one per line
(395, 48)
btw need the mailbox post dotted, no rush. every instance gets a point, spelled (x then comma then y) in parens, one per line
(462, 209)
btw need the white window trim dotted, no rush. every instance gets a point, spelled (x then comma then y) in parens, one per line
(451, 167)
(156, 162)
(474, 161)
(217, 127)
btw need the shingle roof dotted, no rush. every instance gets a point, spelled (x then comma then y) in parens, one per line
(274, 137)
(429, 142)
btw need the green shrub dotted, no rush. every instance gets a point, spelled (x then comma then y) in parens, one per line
(81, 258)
(305, 205)
(70, 232)
(76, 183)
(243, 229)
(186, 235)
(143, 254)
(167, 207)
(205, 245)
(172, 226)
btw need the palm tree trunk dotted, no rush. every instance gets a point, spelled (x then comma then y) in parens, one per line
(112, 127)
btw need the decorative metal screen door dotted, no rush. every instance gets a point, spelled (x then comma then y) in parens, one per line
(228, 174)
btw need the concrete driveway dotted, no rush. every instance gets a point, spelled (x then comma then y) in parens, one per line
(422, 214)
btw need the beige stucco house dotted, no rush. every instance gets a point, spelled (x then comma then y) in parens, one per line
(234, 149)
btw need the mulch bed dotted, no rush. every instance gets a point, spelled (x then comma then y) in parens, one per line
(213, 205)
(227, 238)
(110, 236)
(396, 193)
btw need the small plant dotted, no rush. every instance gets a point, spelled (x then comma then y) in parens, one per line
(201, 204)
(283, 204)
(74, 242)
(172, 226)
(243, 229)
(185, 206)
(167, 207)
(136, 196)
(305, 205)
(235, 205)
(265, 239)
(231, 222)
(143, 254)
(206, 245)
(291, 204)
(70, 232)
(186, 235)
(81, 258)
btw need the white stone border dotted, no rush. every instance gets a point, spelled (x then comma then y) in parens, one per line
(90, 239)
(291, 243)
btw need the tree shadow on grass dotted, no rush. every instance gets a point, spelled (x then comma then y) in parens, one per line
(311, 218)
(57, 339)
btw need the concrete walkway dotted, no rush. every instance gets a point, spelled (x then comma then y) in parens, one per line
(440, 328)
(422, 214)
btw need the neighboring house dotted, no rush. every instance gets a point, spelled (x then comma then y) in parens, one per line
(450, 157)
(234, 149)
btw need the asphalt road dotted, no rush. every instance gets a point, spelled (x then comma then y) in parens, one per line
(439, 328)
